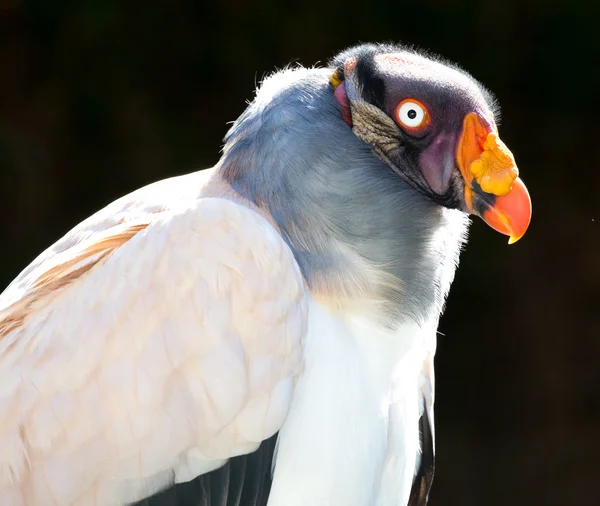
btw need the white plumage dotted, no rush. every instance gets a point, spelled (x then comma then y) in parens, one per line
(176, 350)
(352, 432)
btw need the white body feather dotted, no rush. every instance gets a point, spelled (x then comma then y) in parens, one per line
(351, 437)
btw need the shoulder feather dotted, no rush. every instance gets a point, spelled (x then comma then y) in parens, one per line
(49, 279)
(156, 340)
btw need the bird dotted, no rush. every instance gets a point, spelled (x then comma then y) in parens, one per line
(262, 332)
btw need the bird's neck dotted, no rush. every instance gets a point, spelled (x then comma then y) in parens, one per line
(363, 238)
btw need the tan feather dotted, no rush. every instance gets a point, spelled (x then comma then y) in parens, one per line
(61, 275)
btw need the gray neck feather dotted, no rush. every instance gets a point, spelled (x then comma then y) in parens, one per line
(356, 229)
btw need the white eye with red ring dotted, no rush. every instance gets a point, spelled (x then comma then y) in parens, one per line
(412, 115)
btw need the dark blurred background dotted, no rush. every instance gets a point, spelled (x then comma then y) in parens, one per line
(98, 98)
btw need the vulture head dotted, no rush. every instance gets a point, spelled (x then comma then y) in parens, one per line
(435, 126)
(370, 166)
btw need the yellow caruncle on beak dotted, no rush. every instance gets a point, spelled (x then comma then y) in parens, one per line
(495, 169)
(493, 189)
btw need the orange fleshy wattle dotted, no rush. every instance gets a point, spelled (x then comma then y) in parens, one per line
(491, 179)
(482, 156)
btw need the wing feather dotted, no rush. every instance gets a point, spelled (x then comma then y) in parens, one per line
(244, 481)
(149, 349)
(425, 469)
(51, 279)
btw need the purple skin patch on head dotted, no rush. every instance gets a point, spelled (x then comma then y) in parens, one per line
(438, 161)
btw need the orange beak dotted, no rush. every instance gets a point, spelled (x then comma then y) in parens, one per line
(493, 189)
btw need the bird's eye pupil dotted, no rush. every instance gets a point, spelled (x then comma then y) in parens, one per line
(412, 114)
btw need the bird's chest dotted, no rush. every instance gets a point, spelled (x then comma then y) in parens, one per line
(351, 436)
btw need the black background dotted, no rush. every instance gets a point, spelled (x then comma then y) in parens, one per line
(98, 98)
